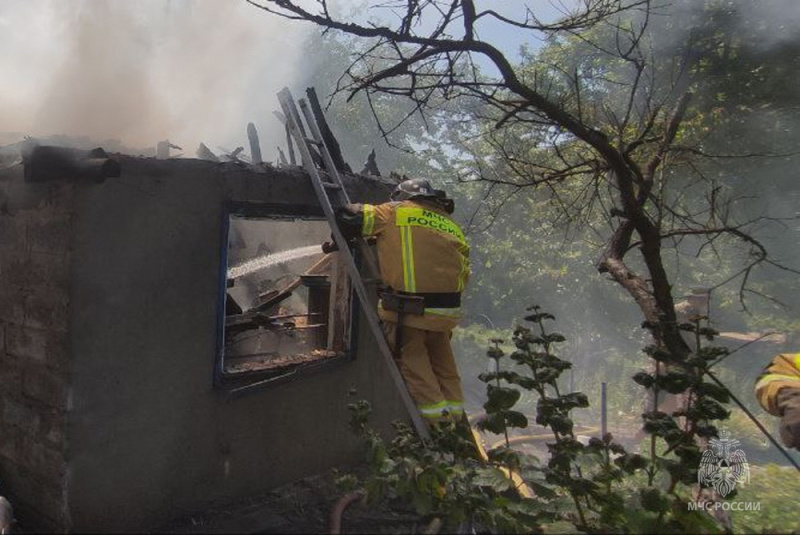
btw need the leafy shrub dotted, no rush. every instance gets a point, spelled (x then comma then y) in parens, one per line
(594, 487)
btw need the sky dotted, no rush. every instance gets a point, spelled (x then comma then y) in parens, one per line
(189, 71)
(508, 40)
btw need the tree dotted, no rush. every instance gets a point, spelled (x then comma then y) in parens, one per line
(328, 58)
(598, 119)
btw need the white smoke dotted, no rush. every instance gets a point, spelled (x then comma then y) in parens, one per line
(144, 71)
(782, 17)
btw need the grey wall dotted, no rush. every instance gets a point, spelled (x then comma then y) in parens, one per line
(35, 252)
(149, 437)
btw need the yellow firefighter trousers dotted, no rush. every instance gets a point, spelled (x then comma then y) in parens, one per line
(428, 367)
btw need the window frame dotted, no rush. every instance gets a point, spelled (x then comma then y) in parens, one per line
(237, 384)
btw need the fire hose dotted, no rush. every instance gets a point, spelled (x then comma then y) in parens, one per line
(335, 519)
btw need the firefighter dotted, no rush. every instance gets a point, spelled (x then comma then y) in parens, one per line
(778, 391)
(424, 265)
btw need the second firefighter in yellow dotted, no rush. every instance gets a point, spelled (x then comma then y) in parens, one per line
(422, 254)
(778, 391)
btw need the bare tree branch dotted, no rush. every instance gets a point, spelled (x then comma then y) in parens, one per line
(590, 137)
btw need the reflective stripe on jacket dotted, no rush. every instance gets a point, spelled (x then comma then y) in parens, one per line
(783, 371)
(420, 250)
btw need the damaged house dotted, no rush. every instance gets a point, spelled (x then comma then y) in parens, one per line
(172, 336)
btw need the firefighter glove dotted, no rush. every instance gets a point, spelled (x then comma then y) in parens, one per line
(789, 405)
(350, 219)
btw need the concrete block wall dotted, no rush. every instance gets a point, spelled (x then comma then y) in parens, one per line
(109, 418)
(34, 352)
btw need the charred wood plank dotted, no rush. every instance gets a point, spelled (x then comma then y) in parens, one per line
(275, 296)
(255, 146)
(43, 163)
(292, 157)
(370, 166)
(290, 109)
(282, 157)
(327, 134)
(204, 153)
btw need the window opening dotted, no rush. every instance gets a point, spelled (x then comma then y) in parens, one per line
(287, 304)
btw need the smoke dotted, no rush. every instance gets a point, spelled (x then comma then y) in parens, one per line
(780, 19)
(140, 72)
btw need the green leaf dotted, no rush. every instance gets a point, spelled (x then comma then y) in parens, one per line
(708, 333)
(561, 424)
(554, 337)
(707, 409)
(494, 353)
(488, 377)
(523, 357)
(706, 431)
(548, 375)
(644, 379)
(505, 456)
(542, 491)
(494, 423)
(493, 478)
(517, 379)
(536, 318)
(574, 400)
(630, 462)
(659, 354)
(712, 353)
(714, 391)
(500, 398)
(654, 500)
(674, 382)
(516, 419)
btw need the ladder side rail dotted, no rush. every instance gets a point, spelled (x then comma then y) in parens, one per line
(367, 253)
(313, 127)
(340, 276)
(368, 310)
(290, 110)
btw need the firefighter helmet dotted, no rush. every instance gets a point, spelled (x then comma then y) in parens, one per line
(412, 189)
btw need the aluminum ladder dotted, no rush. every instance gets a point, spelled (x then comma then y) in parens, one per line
(333, 193)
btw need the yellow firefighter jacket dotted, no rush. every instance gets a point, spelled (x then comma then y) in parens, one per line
(420, 251)
(783, 371)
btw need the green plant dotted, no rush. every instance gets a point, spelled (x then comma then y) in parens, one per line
(592, 487)
(702, 405)
(442, 477)
(589, 476)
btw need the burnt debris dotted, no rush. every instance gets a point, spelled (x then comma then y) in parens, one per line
(45, 163)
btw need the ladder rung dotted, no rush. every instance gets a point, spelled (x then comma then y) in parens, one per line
(330, 185)
(313, 141)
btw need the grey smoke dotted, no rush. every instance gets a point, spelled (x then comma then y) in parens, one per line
(184, 70)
